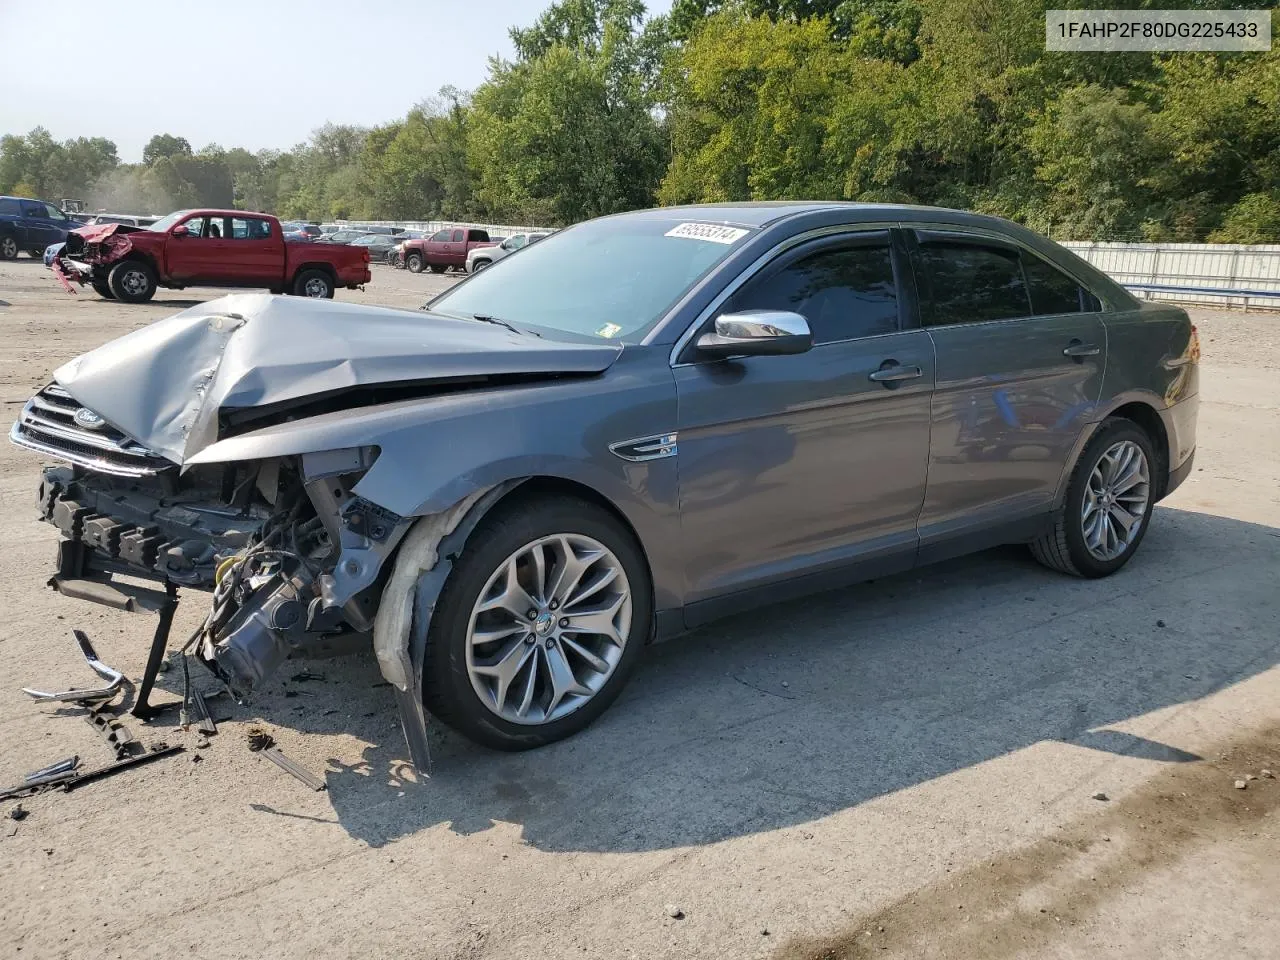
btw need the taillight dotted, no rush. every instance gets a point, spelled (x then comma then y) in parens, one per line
(366, 254)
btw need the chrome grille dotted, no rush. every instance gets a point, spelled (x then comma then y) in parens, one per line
(48, 425)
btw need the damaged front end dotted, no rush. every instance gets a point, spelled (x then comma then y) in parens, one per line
(89, 253)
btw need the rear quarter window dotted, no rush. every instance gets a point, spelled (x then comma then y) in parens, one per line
(10, 208)
(1052, 291)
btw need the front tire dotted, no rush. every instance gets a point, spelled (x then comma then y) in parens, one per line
(413, 263)
(539, 625)
(480, 265)
(1108, 505)
(102, 288)
(315, 284)
(132, 281)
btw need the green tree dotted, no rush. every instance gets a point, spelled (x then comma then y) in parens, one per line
(165, 145)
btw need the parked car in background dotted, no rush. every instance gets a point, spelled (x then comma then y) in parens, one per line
(444, 249)
(227, 248)
(639, 424)
(342, 236)
(480, 257)
(309, 230)
(128, 219)
(396, 256)
(378, 245)
(28, 225)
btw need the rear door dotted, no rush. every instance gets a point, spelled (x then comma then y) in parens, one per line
(254, 252)
(796, 465)
(42, 229)
(1021, 349)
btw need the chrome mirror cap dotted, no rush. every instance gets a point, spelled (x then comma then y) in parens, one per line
(754, 333)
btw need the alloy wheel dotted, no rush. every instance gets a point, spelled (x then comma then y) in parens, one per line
(1115, 500)
(133, 282)
(315, 287)
(548, 629)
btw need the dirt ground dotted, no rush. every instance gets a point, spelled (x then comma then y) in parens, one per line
(903, 769)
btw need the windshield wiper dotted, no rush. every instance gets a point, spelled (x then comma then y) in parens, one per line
(485, 318)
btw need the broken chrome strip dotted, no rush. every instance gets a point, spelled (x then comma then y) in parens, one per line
(100, 464)
(646, 448)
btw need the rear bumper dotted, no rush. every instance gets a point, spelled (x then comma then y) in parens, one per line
(1178, 474)
(1180, 427)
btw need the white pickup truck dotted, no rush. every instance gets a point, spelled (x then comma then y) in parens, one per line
(481, 257)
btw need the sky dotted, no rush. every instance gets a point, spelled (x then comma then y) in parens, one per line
(258, 74)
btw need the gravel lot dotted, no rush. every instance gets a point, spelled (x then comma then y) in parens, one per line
(903, 769)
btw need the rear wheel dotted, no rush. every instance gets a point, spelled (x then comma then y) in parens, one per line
(8, 248)
(540, 623)
(1108, 505)
(437, 268)
(413, 263)
(132, 281)
(315, 284)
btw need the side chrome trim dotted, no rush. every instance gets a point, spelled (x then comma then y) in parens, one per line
(646, 448)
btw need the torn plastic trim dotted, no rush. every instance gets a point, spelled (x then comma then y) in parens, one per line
(408, 603)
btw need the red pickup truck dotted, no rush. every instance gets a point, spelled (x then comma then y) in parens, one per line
(213, 248)
(443, 249)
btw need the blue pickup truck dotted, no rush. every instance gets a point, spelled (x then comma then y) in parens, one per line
(31, 225)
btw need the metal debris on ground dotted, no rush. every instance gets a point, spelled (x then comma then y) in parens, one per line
(200, 712)
(114, 678)
(262, 742)
(155, 752)
(118, 737)
(62, 766)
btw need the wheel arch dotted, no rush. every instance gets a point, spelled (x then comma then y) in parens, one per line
(1138, 408)
(325, 268)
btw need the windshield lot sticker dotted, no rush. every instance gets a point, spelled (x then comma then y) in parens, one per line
(707, 231)
(609, 331)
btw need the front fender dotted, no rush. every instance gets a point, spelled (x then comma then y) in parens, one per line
(436, 451)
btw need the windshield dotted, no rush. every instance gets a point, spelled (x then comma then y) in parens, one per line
(164, 223)
(612, 278)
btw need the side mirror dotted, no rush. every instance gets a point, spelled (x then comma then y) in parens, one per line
(756, 333)
(181, 230)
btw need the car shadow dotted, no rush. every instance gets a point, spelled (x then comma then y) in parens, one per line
(789, 714)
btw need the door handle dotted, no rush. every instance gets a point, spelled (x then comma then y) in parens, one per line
(1077, 349)
(893, 373)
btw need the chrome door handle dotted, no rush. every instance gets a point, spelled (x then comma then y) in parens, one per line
(1078, 349)
(894, 374)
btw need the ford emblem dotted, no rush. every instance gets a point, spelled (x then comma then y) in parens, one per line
(86, 418)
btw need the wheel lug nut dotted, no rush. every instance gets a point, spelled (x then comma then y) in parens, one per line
(550, 643)
(554, 604)
(532, 614)
(528, 638)
(564, 621)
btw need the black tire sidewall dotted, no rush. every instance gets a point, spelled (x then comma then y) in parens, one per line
(102, 288)
(1110, 433)
(499, 535)
(300, 284)
(113, 281)
(8, 243)
(413, 263)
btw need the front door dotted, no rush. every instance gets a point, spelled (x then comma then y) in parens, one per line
(201, 256)
(1020, 348)
(796, 465)
(251, 253)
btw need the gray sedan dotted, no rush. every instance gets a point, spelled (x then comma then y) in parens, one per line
(639, 424)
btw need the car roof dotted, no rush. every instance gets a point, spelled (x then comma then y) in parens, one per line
(761, 213)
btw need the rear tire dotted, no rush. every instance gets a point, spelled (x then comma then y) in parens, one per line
(315, 284)
(132, 281)
(8, 248)
(451, 678)
(437, 268)
(413, 263)
(1115, 477)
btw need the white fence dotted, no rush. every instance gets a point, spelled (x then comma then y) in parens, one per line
(431, 226)
(1205, 274)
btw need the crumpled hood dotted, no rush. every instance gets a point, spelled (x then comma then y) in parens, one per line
(164, 384)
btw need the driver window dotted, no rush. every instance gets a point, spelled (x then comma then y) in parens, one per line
(441, 236)
(844, 292)
(196, 227)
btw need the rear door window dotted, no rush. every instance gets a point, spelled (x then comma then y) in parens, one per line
(844, 291)
(10, 207)
(972, 282)
(1052, 291)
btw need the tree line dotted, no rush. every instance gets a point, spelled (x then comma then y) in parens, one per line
(603, 108)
